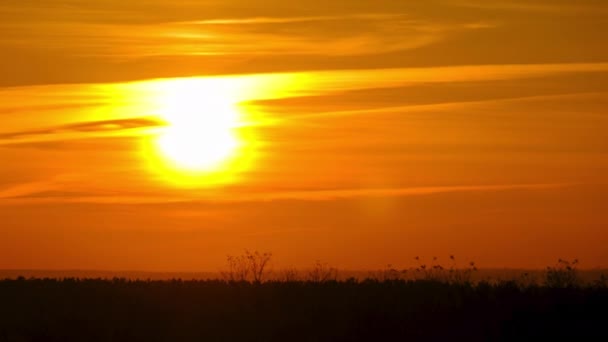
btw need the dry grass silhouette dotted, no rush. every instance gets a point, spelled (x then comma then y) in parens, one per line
(250, 303)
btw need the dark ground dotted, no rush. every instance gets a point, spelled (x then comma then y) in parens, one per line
(121, 310)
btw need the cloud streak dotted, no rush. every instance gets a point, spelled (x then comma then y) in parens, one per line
(539, 7)
(114, 41)
(38, 192)
(37, 113)
(367, 35)
(90, 128)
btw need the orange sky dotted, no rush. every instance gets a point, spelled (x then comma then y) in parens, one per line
(366, 132)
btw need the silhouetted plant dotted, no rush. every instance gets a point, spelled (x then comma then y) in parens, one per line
(247, 267)
(436, 272)
(288, 275)
(322, 272)
(527, 280)
(563, 275)
(602, 282)
(390, 273)
(238, 269)
(430, 272)
(257, 263)
(461, 275)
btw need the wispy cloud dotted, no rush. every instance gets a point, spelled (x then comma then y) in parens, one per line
(536, 6)
(83, 127)
(283, 20)
(112, 40)
(38, 192)
(40, 113)
(27, 189)
(349, 35)
(440, 107)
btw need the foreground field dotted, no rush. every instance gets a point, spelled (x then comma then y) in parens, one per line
(369, 310)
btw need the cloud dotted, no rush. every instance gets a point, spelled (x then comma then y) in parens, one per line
(45, 192)
(347, 35)
(323, 195)
(536, 6)
(343, 92)
(28, 189)
(284, 20)
(439, 107)
(115, 40)
(83, 127)
(43, 113)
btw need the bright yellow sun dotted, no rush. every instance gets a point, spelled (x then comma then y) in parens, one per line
(201, 148)
(200, 131)
(202, 142)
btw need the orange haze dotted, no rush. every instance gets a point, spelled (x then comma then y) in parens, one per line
(163, 135)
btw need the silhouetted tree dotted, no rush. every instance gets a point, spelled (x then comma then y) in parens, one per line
(251, 266)
(257, 263)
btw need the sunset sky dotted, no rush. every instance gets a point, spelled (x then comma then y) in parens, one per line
(162, 135)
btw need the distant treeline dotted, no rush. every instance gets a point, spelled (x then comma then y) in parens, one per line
(329, 310)
(257, 267)
(249, 302)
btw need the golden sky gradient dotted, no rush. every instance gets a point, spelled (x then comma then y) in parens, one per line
(162, 135)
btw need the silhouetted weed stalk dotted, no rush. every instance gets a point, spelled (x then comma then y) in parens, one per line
(602, 282)
(254, 267)
(451, 274)
(322, 272)
(433, 271)
(563, 275)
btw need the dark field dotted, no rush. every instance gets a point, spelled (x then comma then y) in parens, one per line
(368, 310)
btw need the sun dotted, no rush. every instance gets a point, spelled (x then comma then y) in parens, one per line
(200, 132)
(203, 140)
(201, 146)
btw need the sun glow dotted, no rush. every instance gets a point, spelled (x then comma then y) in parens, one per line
(204, 140)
